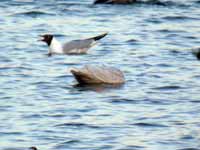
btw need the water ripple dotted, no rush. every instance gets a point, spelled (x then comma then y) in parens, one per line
(33, 14)
(151, 41)
(78, 125)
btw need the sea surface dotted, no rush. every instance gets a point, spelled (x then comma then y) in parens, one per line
(157, 108)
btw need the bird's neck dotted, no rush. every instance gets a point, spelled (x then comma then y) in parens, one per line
(55, 46)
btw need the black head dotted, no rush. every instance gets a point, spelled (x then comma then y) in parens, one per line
(47, 38)
(33, 148)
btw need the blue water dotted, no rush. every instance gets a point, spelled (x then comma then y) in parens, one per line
(158, 107)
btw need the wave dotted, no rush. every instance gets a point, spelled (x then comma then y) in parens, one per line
(159, 3)
(142, 124)
(189, 149)
(33, 13)
(77, 125)
(198, 2)
(170, 87)
(65, 145)
(178, 18)
(124, 101)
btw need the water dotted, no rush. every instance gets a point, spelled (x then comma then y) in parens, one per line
(157, 108)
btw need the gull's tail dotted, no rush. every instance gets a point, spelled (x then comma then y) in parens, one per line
(96, 38)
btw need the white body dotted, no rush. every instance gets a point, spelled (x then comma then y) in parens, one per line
(55, 47)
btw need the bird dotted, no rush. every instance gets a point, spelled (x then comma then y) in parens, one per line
(33, 148)
(96, 74)
(114, 1)
(196, 52)
(72, 47)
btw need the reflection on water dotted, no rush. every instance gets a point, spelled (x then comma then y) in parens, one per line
(97, 87)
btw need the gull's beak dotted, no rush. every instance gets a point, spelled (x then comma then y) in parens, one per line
(41, 38)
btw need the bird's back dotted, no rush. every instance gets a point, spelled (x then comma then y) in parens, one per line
(77, 46)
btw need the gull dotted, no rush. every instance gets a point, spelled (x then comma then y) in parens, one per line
(72, 47)
(196, 52)
(91, 74)
(114, 1)
(33, 148)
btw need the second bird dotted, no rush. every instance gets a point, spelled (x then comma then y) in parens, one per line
(73, 47)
